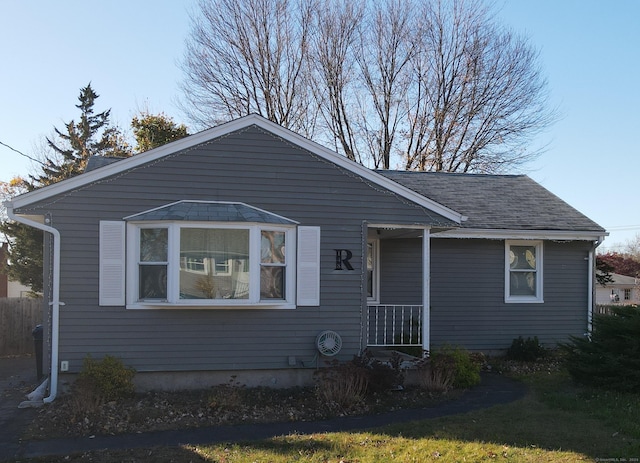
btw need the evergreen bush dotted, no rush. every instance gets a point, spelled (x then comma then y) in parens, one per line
(526, 350)
(610, 357)
(109, 377)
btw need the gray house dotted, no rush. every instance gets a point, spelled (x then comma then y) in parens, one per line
(249, 250)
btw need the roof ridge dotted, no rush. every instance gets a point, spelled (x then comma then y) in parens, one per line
(460, 174)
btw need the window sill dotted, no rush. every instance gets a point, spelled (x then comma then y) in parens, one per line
(204, 306)
(523, 300)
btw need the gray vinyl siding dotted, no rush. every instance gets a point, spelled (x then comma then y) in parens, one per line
(258, 169)
(467, 295)
(401, 271)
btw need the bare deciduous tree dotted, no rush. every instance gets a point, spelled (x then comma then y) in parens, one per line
(632, 247)
(387, 47)
(334, 73)
(437, 85)
(482, 95)
(250, 57)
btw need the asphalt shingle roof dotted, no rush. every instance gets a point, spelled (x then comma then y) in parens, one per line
(510, 202)
(95, 162)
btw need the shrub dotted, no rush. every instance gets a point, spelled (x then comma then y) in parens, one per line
(108, 378)
(342, 385)
(449, 367)
(436, 373)
(467, 372)
(380, 376)
(610, 357)
(526, 350)
(85, 399)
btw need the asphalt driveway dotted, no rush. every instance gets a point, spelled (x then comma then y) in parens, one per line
(18, 377)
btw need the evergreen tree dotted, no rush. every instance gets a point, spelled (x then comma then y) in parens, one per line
(91, 135)
(24, 255)
(604, 272)
(25, 251)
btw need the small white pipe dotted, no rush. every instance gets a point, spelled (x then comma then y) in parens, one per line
(55, 296)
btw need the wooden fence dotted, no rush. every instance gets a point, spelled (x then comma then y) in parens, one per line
(18, 317)
(605, 309)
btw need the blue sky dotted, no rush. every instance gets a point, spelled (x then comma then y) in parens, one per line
(129, 51)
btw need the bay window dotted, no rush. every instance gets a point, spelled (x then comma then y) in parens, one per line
(208, 254)
(195, 264)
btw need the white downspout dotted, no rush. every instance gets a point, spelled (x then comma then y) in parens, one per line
(590, 297)
(55, 296)
(592, 277)
(426, 290)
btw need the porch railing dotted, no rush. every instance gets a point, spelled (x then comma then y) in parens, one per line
(394, 325)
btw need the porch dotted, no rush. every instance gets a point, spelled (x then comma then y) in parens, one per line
(398, 262)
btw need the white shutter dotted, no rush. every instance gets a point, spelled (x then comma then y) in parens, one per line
(112, 263)
(308, 266)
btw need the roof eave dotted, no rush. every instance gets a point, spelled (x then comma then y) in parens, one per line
(502, 234)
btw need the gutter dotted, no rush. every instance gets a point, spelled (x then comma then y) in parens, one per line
(55, 296)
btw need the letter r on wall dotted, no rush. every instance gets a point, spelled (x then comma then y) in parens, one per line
(342, 259)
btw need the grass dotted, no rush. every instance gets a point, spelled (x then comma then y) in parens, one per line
(556, 422)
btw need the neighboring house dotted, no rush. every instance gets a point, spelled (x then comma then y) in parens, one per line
(246, 249)
(623, 290)
(9, 288)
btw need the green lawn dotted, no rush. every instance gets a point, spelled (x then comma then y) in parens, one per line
(555, 422)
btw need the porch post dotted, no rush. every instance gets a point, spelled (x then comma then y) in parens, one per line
(426, 297)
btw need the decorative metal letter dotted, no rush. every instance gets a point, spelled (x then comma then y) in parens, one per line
(342, 259)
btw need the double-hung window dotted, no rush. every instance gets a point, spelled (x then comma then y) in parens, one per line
(153, 263)
(523, 271)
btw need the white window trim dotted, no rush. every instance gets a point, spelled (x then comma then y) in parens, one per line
(375, 298)
(173, 300)
(539, 297)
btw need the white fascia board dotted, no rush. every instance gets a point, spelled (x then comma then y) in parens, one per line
(221, 130)
(502, 234)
